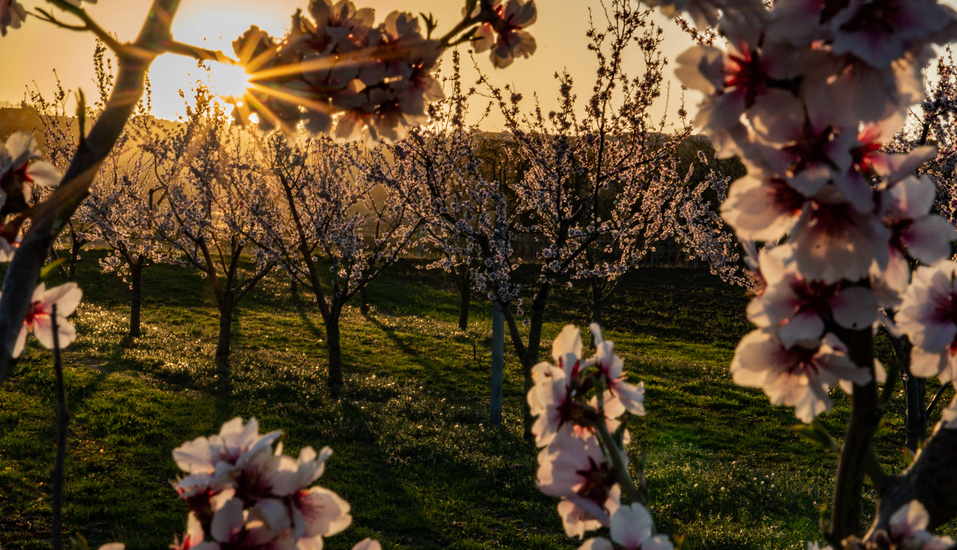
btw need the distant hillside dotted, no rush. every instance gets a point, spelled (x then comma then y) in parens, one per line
(20, 119)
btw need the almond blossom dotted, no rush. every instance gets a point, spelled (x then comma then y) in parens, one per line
(576, 470)
(558, 397)
(928, 316)
(907, 529)
(578, 402)
(880, 32)
(632, 529)
(833, 228)
(39, 318)
(236, 443)
(619, 395)
(554, 398)
(733, 82)
(796, 376)
(504, 32)
(762, 207)
(243, 493)
(798, 309)
(915, 234)
(20, 167)
(12, 15)
(809, 91)
(377, 78)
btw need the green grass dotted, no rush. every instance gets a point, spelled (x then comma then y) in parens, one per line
(414, 454)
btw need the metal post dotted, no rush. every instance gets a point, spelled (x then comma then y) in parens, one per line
(498, 361)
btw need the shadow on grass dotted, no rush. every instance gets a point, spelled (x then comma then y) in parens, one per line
(300, 305)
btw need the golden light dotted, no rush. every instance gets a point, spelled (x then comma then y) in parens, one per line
(228, 80)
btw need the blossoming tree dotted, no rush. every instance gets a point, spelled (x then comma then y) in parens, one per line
(601, 190)
(328, 226)
(122, 212)
(205, 174)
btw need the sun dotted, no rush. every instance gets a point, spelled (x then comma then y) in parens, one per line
(228, 81)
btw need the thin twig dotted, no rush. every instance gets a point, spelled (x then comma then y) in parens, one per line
(63, 420)
(88, 24)
(616, 455)
(933, 402)
(200, 54)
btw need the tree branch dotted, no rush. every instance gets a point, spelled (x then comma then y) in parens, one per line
(865, 416)
(931, 479)
(50, 217)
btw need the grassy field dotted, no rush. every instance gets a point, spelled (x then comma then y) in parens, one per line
(414, 453)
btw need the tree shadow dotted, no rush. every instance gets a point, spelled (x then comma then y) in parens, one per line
(300, 305)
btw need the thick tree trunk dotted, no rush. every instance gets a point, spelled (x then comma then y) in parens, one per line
(851, 467)
(915, 422)
(74, 257)
(915, 416)
(333, 345)
(225, 329)
(931, 479)
(136, 280)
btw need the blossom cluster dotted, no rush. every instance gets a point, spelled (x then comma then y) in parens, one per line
(20, 169)
(807, 93)
(243, 493)
(907, 529)
(579, 403)
(341, 74)
(503, 32)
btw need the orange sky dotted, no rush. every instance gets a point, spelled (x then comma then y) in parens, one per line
(32, 52)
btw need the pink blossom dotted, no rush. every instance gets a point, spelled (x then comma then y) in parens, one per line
(504, 34)
(832, 228)
(732, 81)
(762, 207)
(19, 167)
(319, 512)
(367, 544)
(908, 529)
(12, 15)
(39, 319)
(928, 315)
(553, 397)
(227, 452)
(632, 529)
(882, 31)
(576, 470)
(252, 496)
(797, 376)
(619, 396)
(914, 231)
(798, 308)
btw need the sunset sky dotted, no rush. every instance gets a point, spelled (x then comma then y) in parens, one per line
(35, 50)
